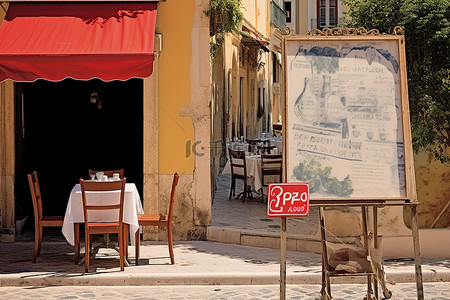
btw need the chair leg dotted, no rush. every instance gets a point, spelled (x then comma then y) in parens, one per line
(121, 249)
(137, 238)
(36, 242)
(86, 250)
(233, 182)
(41, 232)
(170, 242)
(76, 229)
(125, 239)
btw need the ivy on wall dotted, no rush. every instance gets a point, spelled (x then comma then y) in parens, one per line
(225, 16)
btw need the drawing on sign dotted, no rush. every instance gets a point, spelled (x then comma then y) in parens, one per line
(346, 136)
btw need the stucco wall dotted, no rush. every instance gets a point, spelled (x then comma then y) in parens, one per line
(183, 115)
(7, 160)
(433, 192)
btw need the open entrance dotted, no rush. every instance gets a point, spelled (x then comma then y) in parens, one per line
(64, 128)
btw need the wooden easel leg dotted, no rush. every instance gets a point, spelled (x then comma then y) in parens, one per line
(366, 248)
(417, 262)
(375, 245)
(326, 287)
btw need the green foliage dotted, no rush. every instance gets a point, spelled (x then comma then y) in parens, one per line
(225, 17)
(320, 179)
(230, 9)
(427, 41)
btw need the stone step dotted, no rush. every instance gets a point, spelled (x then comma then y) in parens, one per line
(264, 239)
(261, 239)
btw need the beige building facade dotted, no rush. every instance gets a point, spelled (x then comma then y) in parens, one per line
(175, 112)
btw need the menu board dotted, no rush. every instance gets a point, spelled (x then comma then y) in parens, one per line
(347, 117)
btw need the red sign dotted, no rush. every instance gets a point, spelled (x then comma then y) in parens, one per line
(288, 199)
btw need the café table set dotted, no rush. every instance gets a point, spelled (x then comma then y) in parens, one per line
(132, 206)
(252, 160)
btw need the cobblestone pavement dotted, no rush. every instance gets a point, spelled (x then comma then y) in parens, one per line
(404, 291)
(252, 214)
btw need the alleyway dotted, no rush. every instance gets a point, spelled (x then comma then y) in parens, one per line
(251, 215)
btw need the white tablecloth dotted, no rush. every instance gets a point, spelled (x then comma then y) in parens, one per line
(253, 165)
(132, 206)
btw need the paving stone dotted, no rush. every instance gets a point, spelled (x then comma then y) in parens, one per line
(403, 291)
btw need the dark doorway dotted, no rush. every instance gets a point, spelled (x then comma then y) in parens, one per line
(64, 128)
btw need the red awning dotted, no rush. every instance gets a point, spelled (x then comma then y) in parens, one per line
(54, 41)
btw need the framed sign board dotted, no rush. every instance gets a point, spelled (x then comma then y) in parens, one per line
(347, 129)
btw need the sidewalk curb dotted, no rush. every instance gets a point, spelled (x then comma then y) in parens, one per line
(146, 279)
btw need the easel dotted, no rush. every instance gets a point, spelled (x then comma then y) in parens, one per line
(313, 138)
(375, 278)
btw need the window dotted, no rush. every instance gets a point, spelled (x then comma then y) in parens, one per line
(326, 13)
(288, 11)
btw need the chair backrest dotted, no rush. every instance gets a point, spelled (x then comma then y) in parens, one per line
(97, 186)
(266, 149)
(253, 142)
(172, 195)
(237, 161)
(36, 196)
(108, 173)
(271, 164)
(277, 128)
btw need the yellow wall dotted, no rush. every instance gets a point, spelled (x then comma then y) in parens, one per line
(175, 19)
(433, 191)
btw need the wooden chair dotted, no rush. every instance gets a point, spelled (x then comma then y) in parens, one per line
(238, 171)
(159, 220)
(103, 227)
(271, 164)
(277, 128)
(40, 221)
(266, 149)
(108, 173)
(252, 144)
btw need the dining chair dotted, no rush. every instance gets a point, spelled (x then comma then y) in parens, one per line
(108, 173)
(40, 221)
(252, 144)
(159, 220)
(96, 227)
(277, 128)
(238, 171)
(271, 164)
(266, 149)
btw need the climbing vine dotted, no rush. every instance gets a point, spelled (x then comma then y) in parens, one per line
(225, 16)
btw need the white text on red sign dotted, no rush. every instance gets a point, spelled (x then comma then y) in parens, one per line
(288, 199)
